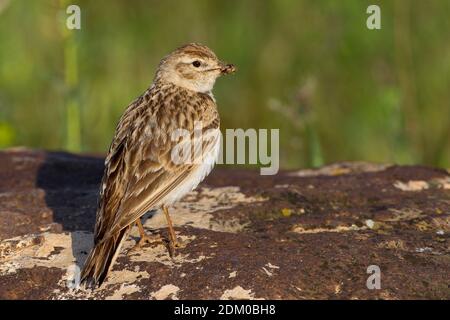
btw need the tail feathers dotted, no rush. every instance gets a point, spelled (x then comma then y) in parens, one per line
(101, 259)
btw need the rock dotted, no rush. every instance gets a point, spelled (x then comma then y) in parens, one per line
(309, 234)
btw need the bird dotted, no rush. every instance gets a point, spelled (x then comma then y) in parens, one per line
(141, 172)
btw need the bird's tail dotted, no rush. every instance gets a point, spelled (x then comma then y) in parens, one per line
(101, 258)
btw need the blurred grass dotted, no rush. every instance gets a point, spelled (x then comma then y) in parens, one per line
(73, 114)
(337, 90)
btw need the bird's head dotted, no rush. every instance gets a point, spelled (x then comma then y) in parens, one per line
(194, 67)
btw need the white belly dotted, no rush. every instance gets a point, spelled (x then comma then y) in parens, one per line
(197, 176)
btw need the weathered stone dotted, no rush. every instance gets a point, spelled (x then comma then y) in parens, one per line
(296, 235)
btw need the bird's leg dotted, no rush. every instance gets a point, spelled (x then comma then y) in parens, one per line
(145, 238)
(173, 238)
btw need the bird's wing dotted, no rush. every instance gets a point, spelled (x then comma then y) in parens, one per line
(139, 168)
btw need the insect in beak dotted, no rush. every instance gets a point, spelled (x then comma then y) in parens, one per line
(227, 68)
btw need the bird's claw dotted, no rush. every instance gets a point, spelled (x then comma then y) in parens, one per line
(146, 239)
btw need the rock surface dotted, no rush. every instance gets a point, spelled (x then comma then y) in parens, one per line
(309, 234)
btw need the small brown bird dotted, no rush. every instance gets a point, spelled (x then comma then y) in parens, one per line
(142, 172)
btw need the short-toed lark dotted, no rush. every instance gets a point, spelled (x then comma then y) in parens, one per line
(140, 172)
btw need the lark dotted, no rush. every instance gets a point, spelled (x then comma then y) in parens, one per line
(142, 173)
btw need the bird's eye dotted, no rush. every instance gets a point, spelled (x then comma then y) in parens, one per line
(196, 63)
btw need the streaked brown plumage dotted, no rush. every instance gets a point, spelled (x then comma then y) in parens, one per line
(140, 174)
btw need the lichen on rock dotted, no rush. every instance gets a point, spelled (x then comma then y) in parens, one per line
(308, 234)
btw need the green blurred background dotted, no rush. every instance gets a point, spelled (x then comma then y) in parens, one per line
(337, 90)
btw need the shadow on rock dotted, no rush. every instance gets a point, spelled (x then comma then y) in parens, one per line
(71, 185)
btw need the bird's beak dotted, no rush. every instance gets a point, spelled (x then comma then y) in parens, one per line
(227, 68)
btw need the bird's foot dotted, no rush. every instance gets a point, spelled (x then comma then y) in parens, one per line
(178, 244)
(145, 239)
(175, 244)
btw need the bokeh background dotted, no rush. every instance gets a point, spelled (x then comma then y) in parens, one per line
(337, 90)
